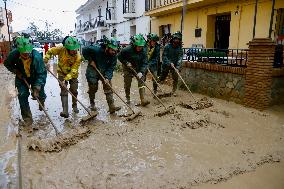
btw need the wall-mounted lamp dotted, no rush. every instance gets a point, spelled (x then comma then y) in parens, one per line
(237, 11)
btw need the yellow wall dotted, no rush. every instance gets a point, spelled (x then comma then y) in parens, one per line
(241, 26)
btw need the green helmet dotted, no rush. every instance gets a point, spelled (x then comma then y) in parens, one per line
(24, 45)
(71, 43)
(113, 44)
(138, 40)
(178, 35)
(152, 37)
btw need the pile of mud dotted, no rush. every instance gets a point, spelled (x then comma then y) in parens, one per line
(57, 143)
(201, 104)
(201, 123)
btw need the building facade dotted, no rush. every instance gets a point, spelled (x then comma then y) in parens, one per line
(112, 18)
(219, 24)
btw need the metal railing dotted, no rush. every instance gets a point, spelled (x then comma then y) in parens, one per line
(153, 4)
(226, 57)
(86, 26)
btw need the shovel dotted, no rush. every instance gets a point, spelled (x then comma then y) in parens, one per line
(128, 117)
(197, 105)
(167, 110)
(163, 94)
(91, 114)
(61, 140)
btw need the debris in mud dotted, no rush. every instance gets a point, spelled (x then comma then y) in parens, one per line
(58, 143)
(260, 113)
(169, 110)
(223, 112)
(164, 95)
(201, 104)
(201, 123)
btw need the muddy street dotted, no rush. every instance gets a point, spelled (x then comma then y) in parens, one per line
(224, 146)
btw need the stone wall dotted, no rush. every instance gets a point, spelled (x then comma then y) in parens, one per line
(215, 81)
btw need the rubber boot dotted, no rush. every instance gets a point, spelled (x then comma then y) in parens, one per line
(64, 101)
(155, 86)
(74, 105)
(110, 102)
(142, 97)
(92, 105)
(27, 117)
(127, 95)
(42, 103)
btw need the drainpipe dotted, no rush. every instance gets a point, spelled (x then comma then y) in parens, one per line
(183, 15)
(150, 25)
(8, 27)
(271, 18)
(254, 20)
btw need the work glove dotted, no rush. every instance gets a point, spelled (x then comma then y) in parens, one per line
(129, 65)
(35, 93)
(18, 74)
(139, 75)
(68, 77)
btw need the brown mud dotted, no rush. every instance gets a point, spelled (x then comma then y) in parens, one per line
(186, 149)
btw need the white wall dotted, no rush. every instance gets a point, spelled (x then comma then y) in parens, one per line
(122, 26)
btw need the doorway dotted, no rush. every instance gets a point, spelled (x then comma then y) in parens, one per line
(222, 31)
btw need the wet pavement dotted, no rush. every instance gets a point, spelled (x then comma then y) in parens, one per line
(149, 152)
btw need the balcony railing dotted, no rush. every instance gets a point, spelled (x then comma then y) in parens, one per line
(153, 4)
(88, 26)
(226, 57)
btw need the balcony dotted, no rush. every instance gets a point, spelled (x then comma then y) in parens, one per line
(110, 15)
(101, 24)
(129, 9)
(162, 7)
(89, 27)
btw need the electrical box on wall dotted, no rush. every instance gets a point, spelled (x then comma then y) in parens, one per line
(198, 32)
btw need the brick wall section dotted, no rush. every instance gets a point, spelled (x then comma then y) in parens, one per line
(259, 73)
(214, 67)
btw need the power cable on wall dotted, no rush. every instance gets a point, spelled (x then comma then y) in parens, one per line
(40, 9)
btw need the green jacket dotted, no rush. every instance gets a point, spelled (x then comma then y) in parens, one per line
(155, 57)
(172, 55)
(137, 59)
(105, 63)
(38, 71)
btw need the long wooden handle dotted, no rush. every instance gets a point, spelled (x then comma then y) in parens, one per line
(42, 107)
(152, 75)
(62, 85)
(101, 75)
(176, 70)
(147, 87)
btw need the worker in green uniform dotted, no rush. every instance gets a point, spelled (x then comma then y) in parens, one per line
(153, 55)
(27, 64)
(172, 56)
(103, 57)
(134, 57)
